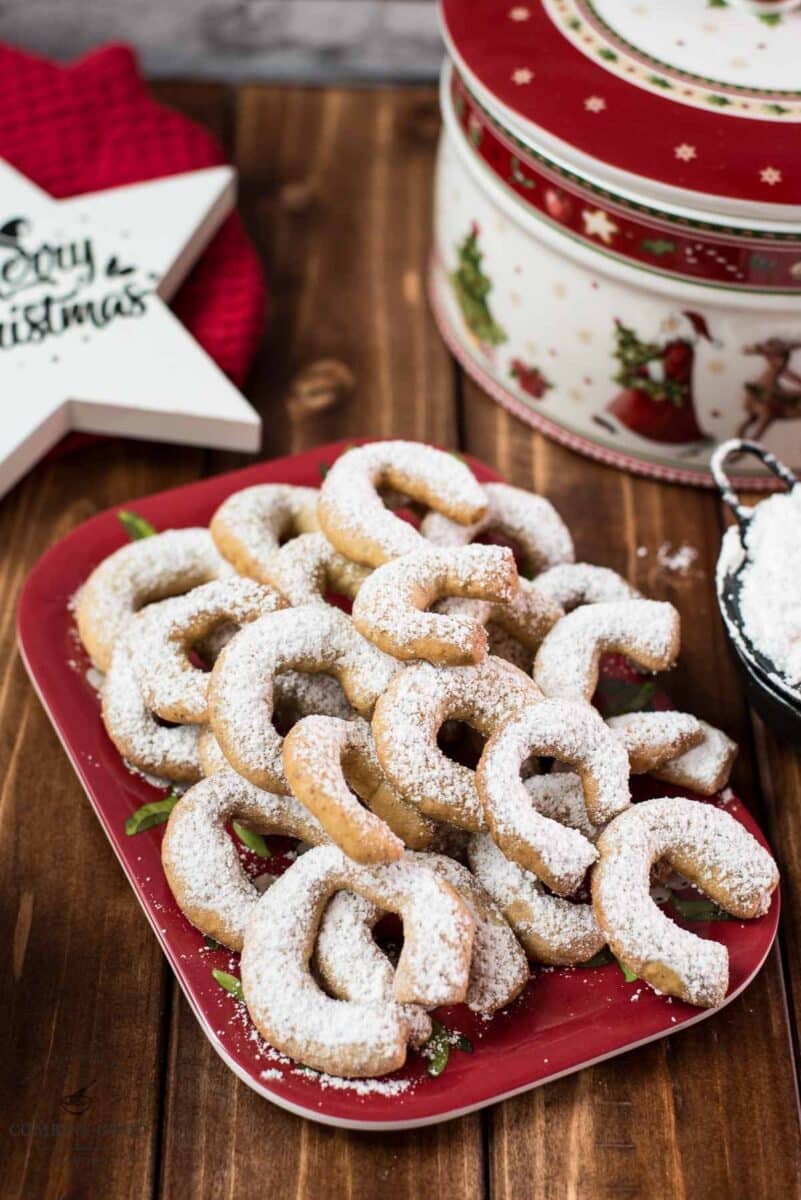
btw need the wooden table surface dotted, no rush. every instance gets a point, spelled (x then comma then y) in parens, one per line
(110, 1089)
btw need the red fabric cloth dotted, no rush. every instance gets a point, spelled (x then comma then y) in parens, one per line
(93, 125)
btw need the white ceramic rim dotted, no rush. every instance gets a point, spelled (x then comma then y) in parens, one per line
(778, 218)
(595, 258)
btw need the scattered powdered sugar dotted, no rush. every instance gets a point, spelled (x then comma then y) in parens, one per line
(352, 513)
(677, 560)
(528, 520)
(770, 596)
(646, 631)
(361, 1087)
(390, 607)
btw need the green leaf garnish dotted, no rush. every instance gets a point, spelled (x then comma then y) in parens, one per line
(135, 526)
(438, 1047)
(230, 983)
(253, 841)
(154, 813)
(699, 910)
(211, 943)
(628, 975)
(618, 696)
(601, 959)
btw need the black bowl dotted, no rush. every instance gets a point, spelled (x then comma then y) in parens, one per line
(775, 709)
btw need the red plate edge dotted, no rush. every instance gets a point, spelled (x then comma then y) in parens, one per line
(517, 1051)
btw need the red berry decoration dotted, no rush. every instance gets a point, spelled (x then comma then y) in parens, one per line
(529, 379)
(557, 204)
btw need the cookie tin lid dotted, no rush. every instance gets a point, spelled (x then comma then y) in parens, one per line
(695, 103)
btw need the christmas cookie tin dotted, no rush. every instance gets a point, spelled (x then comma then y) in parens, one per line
(617, 253)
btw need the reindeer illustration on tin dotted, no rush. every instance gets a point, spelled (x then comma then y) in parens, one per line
(769, 398)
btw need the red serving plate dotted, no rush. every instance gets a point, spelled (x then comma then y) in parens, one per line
(566, 1019)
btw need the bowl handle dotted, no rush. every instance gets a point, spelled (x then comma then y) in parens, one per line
(725, 450)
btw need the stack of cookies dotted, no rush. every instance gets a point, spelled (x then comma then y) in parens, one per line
(435, 751)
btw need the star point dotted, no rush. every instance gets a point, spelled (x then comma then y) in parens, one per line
(598, 223)
(87, 341)
(522, 76)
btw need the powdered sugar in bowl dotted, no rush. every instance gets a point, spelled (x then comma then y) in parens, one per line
(759, 590)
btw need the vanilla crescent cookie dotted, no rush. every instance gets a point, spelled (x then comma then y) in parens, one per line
(529, 521)
(353, 966)
(152, 568)
(166, 632)
(295, 695)
(351, 1038)
(200, 859)
(699, 758)
(645, 631)
(526, 617)
(356, 521)
(322, 757)
(652, 739)
(704, 768)
(705, 845)
(390, 608)
(551, 930)
(572, 584)
(410, 714)
(574, 733)
(498, 969)
(250, 526)
(307, 567)
(316, 639)
(167, 752)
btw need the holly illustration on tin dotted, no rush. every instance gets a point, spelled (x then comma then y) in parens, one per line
(657, 398)
(471, 287)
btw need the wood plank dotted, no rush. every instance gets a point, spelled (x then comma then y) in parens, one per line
(86, 990)
(779, 767)
(712, 1111)
(86, 984)
(336, 190)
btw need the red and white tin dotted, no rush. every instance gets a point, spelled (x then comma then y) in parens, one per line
(617, 249)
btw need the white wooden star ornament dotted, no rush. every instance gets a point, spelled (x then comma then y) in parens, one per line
(87, 341)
